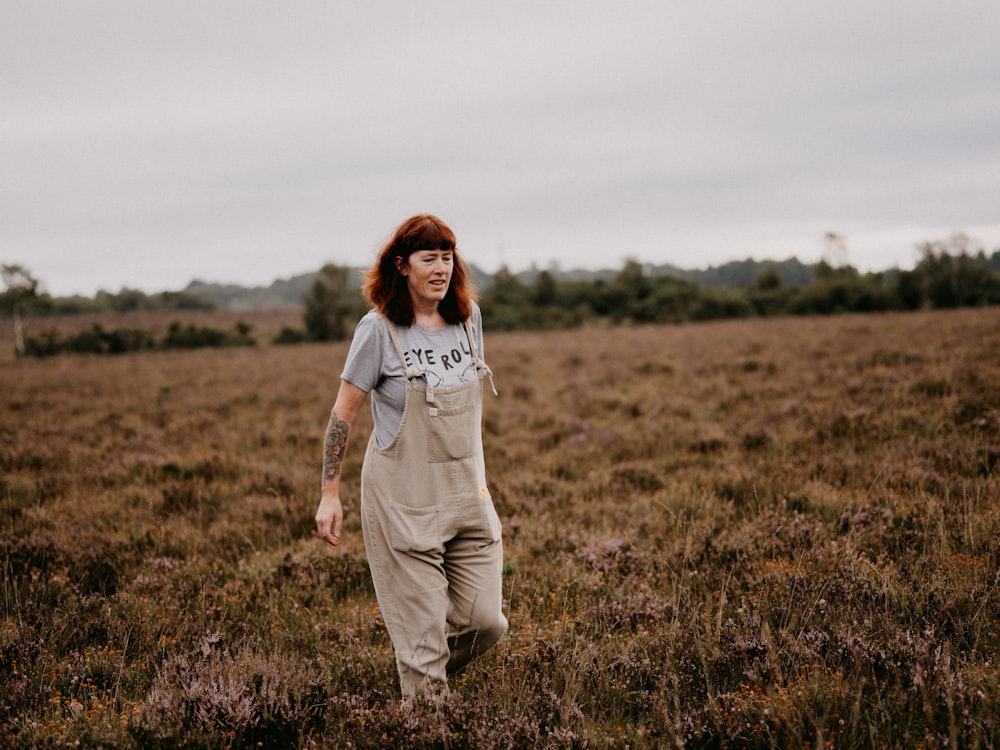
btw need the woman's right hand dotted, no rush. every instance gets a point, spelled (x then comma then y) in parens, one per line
(330, 515)
(329, 519)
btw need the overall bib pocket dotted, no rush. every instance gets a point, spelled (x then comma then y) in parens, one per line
(451, 432)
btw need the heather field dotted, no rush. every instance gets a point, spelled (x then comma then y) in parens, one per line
(776, 533)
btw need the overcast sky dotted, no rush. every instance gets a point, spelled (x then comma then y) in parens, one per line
(146, 144)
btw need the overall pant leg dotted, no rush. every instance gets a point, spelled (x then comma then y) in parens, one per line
(412, 592)
(474, 568)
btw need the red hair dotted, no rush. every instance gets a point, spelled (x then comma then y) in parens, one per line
(385, 287)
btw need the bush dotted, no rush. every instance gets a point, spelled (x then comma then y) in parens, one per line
(289, 335)
(96, 340)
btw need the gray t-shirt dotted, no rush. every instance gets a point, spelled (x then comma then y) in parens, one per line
(373, 364)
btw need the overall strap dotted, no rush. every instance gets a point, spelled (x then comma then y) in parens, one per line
(411, 374)
(408, 371)
(481, 366)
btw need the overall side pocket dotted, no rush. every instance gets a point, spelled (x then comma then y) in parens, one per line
(493, 529)
(414, 529)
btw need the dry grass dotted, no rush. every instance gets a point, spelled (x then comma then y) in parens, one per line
(767, 533)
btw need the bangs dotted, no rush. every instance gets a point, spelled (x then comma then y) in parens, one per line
(430, 235)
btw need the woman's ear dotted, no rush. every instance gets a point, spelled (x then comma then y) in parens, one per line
(401, 265)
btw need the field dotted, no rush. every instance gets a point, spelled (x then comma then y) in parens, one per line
(769, 533)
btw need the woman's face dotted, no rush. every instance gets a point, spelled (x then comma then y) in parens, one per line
(428, 274)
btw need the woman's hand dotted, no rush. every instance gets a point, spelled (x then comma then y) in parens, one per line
(330, 515)
(329, 519)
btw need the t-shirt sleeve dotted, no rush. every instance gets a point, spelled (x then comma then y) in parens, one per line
(363, 366)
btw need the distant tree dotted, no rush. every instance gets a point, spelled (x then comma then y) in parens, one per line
(841, 290)
(768, 279)
(824, 272)
(20, 295)
(713, 304)
(672, 300)
(330, 304)
(507, 289)
(183, 301)
(543, 291)
(126, 300)
(834, 249)
(909, 290)
(633, 277)
(506, 305)
(956, 273)
(625, 295)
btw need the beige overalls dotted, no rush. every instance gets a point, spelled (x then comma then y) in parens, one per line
(431, 533)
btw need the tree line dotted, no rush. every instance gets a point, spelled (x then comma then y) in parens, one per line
(943, 278)
(950, 273)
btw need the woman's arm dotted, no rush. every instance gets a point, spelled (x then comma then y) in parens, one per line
(330, 515)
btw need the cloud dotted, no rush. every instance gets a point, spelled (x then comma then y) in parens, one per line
(145, 145)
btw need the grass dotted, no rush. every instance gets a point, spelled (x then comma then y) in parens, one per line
(766, 533)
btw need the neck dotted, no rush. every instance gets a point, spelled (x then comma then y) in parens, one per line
(428, 316)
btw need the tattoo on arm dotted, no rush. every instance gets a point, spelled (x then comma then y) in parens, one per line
(334, 447)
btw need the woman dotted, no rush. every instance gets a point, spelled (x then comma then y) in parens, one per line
(431, 533)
